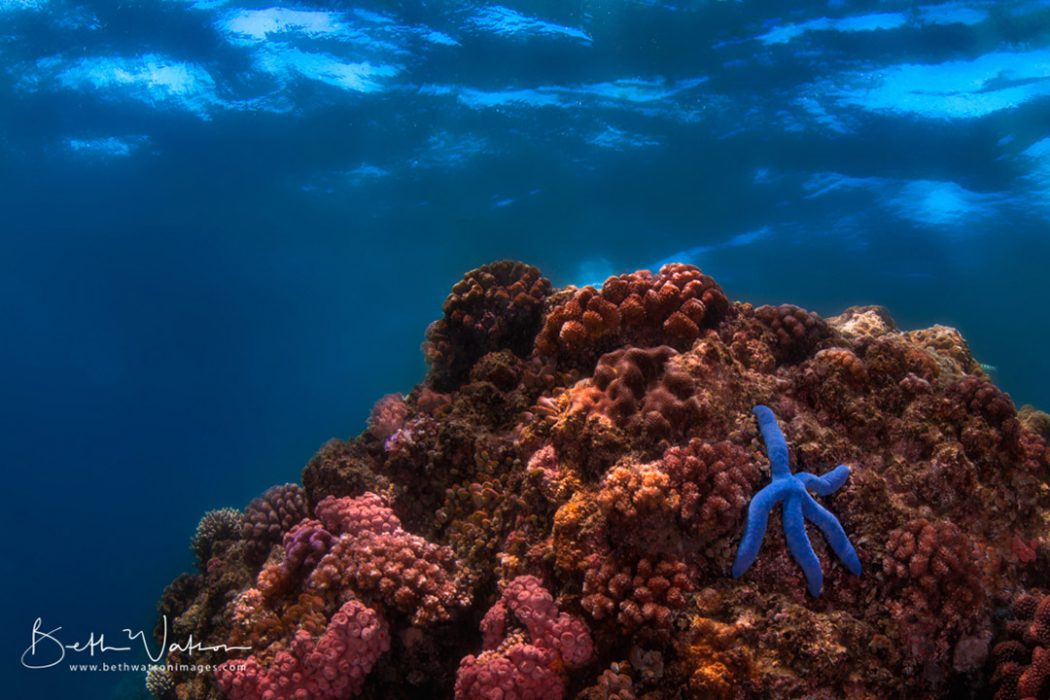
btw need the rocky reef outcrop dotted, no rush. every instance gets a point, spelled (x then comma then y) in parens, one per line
(555, 510)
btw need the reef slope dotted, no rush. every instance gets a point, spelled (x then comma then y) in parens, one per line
(554, 512)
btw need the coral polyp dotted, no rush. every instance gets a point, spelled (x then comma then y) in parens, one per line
(556, 511)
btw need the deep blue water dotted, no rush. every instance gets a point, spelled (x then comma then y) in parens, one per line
(226, 226)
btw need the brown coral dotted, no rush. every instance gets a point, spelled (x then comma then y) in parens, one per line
(643, 309)
(272, 514)
(647, 592)
(696, 493)
(495, 307)
(643, 392)
(796, 331)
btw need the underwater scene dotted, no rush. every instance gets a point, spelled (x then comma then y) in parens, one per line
(525, 349)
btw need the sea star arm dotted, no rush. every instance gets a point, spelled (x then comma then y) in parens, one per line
(798, 543)
(826, 484)
(755, 529)
(776, 445)
(833, 532)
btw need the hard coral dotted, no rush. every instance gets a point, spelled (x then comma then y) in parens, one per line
(935, 560)
(643, 392)
(375, 557)
(716, 481)
(1022, 666)
(331, 667)
(343, 468)
(796, 331)
(388, 415)
(526, 641)
(272, 514)
(647, 592)
(216, 526)
(495, 307)
(933, 586)
(696, 492)
(643, 309)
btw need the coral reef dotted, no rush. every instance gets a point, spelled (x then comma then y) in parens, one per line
(558, 509)
(1022, 658)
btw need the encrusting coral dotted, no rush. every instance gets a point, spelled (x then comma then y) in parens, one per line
(555, 512)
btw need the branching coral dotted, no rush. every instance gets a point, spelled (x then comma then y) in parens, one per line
(796, 330)
(646, 593)
(1022, 659)
(216, 526)
(696, 492)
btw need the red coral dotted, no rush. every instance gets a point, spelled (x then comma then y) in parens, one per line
(716, 481)
(1022, 660)
(495, 307)
(645, 593)
(983, 398)
(331, 667)
(669, 308)
(934, 586)
(935, 561)
(525, 641)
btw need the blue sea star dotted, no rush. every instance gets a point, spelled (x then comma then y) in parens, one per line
(799, 506)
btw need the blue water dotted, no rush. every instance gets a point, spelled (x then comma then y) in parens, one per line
(225, 228)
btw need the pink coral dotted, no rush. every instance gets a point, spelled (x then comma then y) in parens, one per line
(388, 415)
(375, 557)
(331, 667)
(525, 640)
(353, 516)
